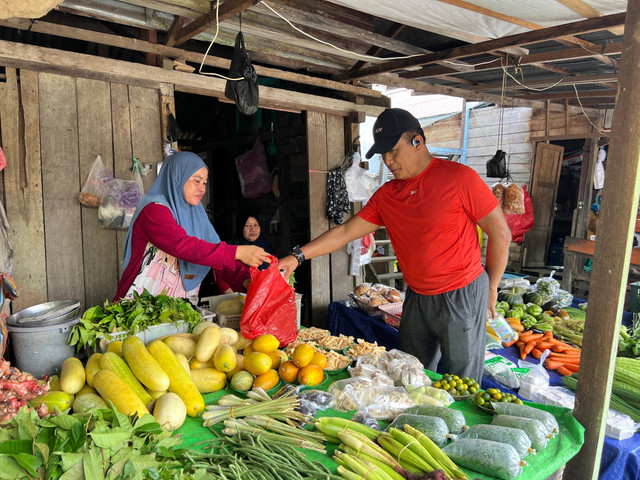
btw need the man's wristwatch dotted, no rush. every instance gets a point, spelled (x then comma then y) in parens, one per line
(296, 252)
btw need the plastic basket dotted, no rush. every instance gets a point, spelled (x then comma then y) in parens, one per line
(391, 313)
(233, 321)
(368, 309)
(147, 336)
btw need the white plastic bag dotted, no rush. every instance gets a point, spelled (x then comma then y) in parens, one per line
(598, 171)
(361, 250)
(359, 184)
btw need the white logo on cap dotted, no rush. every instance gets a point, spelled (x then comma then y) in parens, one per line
(378, 130)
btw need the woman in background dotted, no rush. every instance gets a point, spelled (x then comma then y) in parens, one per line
(171, 244)
(238, 279)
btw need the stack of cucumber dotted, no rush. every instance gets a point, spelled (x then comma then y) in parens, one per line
(625, 392)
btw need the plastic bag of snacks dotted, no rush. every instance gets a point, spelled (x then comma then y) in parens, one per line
(91, 193)
(513, 200)
(365, 418)
(385, 403)
(377, 375)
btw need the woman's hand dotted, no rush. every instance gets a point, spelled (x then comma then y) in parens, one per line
(288, 264)
(251, 255)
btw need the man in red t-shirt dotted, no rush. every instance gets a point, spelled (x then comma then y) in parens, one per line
(430, 210)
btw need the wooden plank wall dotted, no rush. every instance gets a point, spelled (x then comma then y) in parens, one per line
(329, 273)
(64, 122)
(520, 124)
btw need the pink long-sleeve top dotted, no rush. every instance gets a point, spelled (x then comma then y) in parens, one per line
(155, 224)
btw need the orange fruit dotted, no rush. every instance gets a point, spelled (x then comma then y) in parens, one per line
(302, 355)
(319, 359)
(266, 343)
(277, 358)
(257, 363)
(310, 375)
(267, 381)
(288, 371)
(248, 349)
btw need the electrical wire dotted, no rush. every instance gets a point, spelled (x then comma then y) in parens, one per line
(471, 64)
(204, 57)
(585, 113)
(370, 57)
(531, 88)
(482, 128)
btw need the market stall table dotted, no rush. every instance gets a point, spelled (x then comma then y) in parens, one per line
(620, 459)
(541, 466)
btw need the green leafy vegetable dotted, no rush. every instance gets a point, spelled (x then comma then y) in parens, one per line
(132, 316)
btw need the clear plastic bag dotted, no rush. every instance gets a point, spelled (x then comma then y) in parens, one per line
(456, 423)
(433, 427)
(534, 429)
(91, 193)
(409, 376)
(119, 201)
(365, 418)
(385, 403)
(430, 396)
(513, 200)
(536, 379)
(548, 285)
(321, 400)
(525, 411)
(377, 375)
(347, 392)
(361, 250)
(491, 343)
(511, 436)
(359, 185)
(563, 298)
(484, 456)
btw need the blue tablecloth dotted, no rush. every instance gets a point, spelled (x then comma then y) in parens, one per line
(620, 459)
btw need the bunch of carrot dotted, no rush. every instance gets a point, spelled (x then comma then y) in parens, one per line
(563, 358)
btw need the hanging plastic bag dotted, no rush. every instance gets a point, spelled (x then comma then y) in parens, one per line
(598, 172)
(270, 306)
(253, 171)
(521, 224)
(497, 166)
(359, 184)
(119, 201)
(513, 200)
(361, 250)
(244, 92)
(91, 193)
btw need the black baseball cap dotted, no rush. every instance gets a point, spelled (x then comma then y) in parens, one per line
(389, 127)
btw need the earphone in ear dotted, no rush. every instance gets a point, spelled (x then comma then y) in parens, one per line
(415, 142)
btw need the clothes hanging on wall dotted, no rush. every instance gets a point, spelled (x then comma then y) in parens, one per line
(337, 196)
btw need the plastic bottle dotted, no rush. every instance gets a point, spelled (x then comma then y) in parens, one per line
(502, 328)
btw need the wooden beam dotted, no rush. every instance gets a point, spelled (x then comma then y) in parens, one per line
(391, 32)
(142, 46)
(611, 261)
(588, 11)
(175, 28)
(575, 80)
(572, 136)
(574, 53)
(572, 94)
(530, 25)
(517, 40)
(392, 80)
(18, 55)
(227, 10)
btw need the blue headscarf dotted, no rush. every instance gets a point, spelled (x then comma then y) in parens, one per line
(168, 189)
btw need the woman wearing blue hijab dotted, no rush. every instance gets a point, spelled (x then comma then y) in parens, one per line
(171, 245)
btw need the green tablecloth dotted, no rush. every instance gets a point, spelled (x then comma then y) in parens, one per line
(540, 466)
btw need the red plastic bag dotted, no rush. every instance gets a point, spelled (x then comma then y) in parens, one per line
(521, 224)
(270, 306)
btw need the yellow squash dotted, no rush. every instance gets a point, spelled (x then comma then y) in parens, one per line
(72, 376)
(111, 361)
(112, 388)
(93, 365)
(180, 381)
(209, 379)
(143, 365)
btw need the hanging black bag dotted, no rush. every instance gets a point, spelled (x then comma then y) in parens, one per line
(497, 166)
(243, 92)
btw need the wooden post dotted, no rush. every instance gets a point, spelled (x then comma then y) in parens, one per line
(547, 118)
(611, 260)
